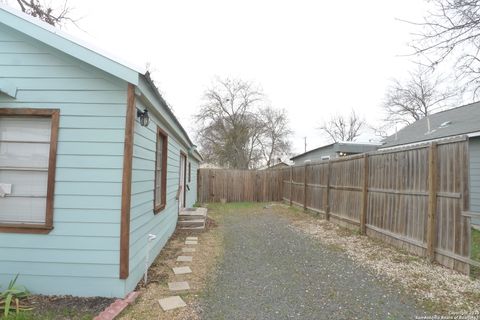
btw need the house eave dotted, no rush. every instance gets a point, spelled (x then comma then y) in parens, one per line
(59, 40)
(152, 98)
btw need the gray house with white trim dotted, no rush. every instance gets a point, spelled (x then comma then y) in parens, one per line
(334, 150)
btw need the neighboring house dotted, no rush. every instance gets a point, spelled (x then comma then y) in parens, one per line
(82, 182)
(279, 165)
(464, 120)
(334, 150)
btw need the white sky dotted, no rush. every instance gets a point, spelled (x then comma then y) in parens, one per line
(313, 58)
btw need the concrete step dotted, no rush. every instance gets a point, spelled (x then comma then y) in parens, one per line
(190, 218)
(193, 212)
(191, 221)
(193, 228)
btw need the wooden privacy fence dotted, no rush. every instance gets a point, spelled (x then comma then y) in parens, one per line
(238, 185)
(410, 197)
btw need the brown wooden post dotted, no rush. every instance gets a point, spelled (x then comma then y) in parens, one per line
(326, 200)
(277, 175)
(210, 186)
(305, 187)
(291, 184)
(432, 201)
(466, 202)
(199, 184)
(363, 214)
(257, 189)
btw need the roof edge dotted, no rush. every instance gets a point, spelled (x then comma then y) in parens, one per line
(163, 103)
(69, 44)
(318, 148)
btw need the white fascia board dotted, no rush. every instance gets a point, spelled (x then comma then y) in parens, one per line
(473, 134)
(424, 142)
(197, 155)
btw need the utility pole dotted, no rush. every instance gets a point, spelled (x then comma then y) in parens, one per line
(305, 138)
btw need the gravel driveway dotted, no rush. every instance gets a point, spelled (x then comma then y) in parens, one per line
(271, 271)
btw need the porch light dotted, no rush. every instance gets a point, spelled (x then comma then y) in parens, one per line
(143, 117)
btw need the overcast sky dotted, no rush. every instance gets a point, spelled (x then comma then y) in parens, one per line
(313, 58)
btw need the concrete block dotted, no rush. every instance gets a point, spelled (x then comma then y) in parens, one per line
(178, 286)
(181, 270)
(184, 259)
(171, 303)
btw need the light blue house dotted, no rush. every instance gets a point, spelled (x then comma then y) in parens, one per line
(84, 179)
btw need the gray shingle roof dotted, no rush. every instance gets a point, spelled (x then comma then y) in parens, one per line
(452, 122)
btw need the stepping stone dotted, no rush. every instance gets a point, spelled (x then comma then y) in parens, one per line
(178, 286)
(171, 303)
(192, 239)
(181, 270)
(191, 242)
(189, 249)
(184, 259)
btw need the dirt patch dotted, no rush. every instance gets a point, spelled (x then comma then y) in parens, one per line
(441, 290)
(65, 307)
(160, 273)
(210, 223)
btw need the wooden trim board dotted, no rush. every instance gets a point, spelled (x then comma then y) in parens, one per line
(54, 115)
(163, 201)
(127, 183)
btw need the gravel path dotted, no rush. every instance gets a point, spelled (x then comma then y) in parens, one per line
(271, 271)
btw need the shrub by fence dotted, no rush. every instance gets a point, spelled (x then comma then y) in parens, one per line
(411, 197)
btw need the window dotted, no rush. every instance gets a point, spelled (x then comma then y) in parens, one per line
(28, 147)
(189, 172)
(160, 192)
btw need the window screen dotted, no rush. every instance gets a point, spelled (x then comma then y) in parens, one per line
(24, 159)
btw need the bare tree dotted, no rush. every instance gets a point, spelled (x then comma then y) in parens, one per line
(276, 133)
(236, 130)
(420, 95)
(343, 128)
(228, 129)
(46, 12)
(452, 29)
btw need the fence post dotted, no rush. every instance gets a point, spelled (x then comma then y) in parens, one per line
(363, 215)
(279, 192)
(305, 187)
(432, 201)
(210, 186)
(257, 189)
(291, 184)
(327, 193)
(199, 185)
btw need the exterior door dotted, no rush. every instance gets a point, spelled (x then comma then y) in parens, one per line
(182, 181)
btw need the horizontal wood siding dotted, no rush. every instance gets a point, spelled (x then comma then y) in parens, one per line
(81, 254)
(143, 220)
(475, 177)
